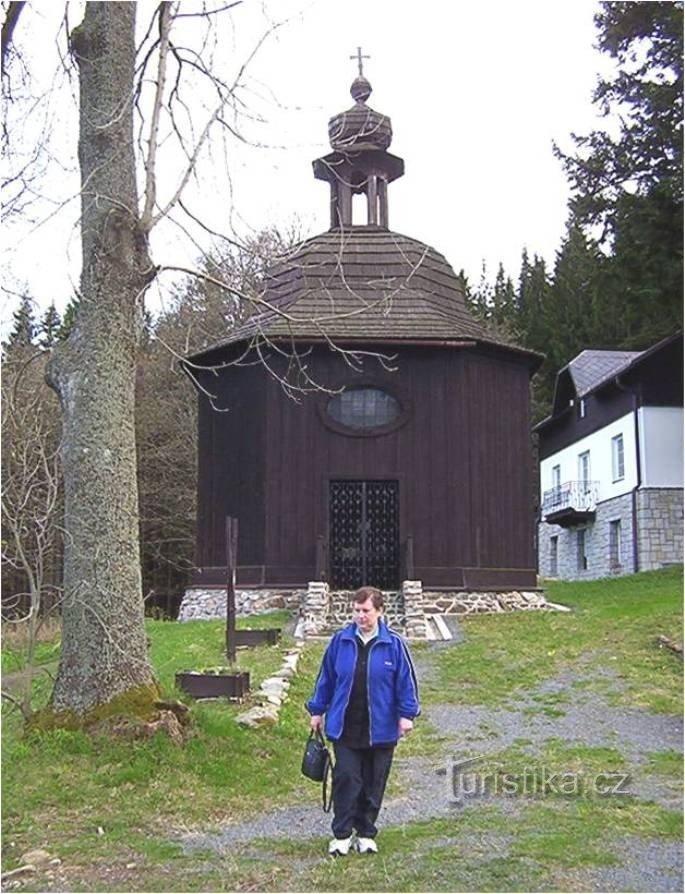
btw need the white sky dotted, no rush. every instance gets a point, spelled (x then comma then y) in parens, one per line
(476, 92)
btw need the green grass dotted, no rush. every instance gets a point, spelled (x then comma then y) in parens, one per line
(59, 787)
(614, 624)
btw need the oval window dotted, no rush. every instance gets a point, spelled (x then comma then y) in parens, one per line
(364, 408)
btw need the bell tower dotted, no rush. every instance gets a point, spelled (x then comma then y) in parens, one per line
(360, 162)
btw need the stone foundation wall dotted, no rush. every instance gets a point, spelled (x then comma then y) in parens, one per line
(660, 527)
(207, 604)
(405, 610)
(469, 603)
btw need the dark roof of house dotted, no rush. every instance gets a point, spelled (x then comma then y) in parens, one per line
(590, 368)
(363, 283)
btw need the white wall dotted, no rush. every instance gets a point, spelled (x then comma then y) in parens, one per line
(661, 446)
(599, 445)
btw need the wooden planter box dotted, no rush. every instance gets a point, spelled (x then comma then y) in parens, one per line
(234, 686)
(269, 636)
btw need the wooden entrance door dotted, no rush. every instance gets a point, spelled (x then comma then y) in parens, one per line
(364, 534)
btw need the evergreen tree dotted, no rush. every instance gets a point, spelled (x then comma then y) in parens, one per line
(68, 319)
(49, 327)
(24, 324)
(504, 304)
(630, 184)
(575, 313)
(533, 327)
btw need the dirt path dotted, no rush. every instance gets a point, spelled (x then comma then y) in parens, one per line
(427, 792)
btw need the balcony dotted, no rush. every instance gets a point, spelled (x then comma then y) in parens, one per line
(571, 503)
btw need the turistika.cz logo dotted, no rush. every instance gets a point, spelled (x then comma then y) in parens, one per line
(463, 783)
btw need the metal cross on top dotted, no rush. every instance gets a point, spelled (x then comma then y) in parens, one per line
(359, 58)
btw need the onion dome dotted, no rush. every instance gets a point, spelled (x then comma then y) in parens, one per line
(360, 127)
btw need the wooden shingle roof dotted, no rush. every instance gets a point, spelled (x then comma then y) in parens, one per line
(365, 282)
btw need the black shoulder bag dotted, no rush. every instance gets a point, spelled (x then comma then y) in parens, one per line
(316, 765)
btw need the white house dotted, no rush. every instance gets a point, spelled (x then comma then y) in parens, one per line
(611, 464)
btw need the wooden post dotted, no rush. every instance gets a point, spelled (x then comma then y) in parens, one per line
(321, 562)
(409, 558)
(231, 564)
(372, 199)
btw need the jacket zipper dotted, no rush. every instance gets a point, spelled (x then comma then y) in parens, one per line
(368, 691)
(349, 691)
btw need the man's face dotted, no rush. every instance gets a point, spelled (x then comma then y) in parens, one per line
(365, 615)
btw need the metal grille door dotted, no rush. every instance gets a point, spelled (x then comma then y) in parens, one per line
(364, 534)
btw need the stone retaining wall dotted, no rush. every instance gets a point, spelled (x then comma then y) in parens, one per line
(660, 527)
(406, 610)
(322, 612)
(209, 604)
(469, 603)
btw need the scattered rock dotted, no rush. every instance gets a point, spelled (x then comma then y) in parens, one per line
(37, 856)
(168, 723)
(181, 711)
(671, 644)
(258, 716)
(20, 870)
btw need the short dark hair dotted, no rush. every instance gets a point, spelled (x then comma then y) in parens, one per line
(372, 593)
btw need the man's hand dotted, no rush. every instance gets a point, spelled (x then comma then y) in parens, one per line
(405, 726)
(316, 723)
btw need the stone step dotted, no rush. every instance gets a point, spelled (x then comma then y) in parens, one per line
(436, 628)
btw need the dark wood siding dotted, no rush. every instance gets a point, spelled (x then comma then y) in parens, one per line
(231, 466)
(600, 409)
(462, 459)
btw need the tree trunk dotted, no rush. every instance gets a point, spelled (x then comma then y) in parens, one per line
(104, 663)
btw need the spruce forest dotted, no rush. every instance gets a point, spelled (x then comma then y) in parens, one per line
(616, 282)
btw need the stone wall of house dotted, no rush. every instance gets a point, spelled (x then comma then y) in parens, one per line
(660, 527)
(660, 537)
(597, 540)
(209, 604)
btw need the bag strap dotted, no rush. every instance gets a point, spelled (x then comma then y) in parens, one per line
(326, 790)
(327, 773)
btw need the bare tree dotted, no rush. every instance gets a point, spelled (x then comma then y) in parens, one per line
(31, 501)
(134, 102)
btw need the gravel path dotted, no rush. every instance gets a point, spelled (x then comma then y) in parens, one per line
(426, 784)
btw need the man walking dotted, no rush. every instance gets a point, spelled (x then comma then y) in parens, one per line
(367, 690)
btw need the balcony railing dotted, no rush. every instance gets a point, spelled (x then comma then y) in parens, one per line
(571, 496)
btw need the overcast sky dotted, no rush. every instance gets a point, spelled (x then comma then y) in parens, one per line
(476, 93)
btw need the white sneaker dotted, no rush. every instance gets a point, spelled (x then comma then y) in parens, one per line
(339, 847)
(367, 846)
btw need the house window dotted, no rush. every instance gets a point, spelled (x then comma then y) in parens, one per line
(582, 409)
(364, 408)
(615, 543)
(582, 549)
(554, 556)
(617, 461)
(584, 471)
(556, 485)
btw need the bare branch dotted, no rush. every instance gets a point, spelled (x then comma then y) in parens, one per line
(166, 12)
(13, 12)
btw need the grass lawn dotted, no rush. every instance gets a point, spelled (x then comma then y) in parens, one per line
(60, 788)
(614, 624)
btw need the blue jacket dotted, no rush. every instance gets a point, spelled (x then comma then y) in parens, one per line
(391, 682)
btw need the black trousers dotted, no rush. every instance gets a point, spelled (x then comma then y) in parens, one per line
(359, 779)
